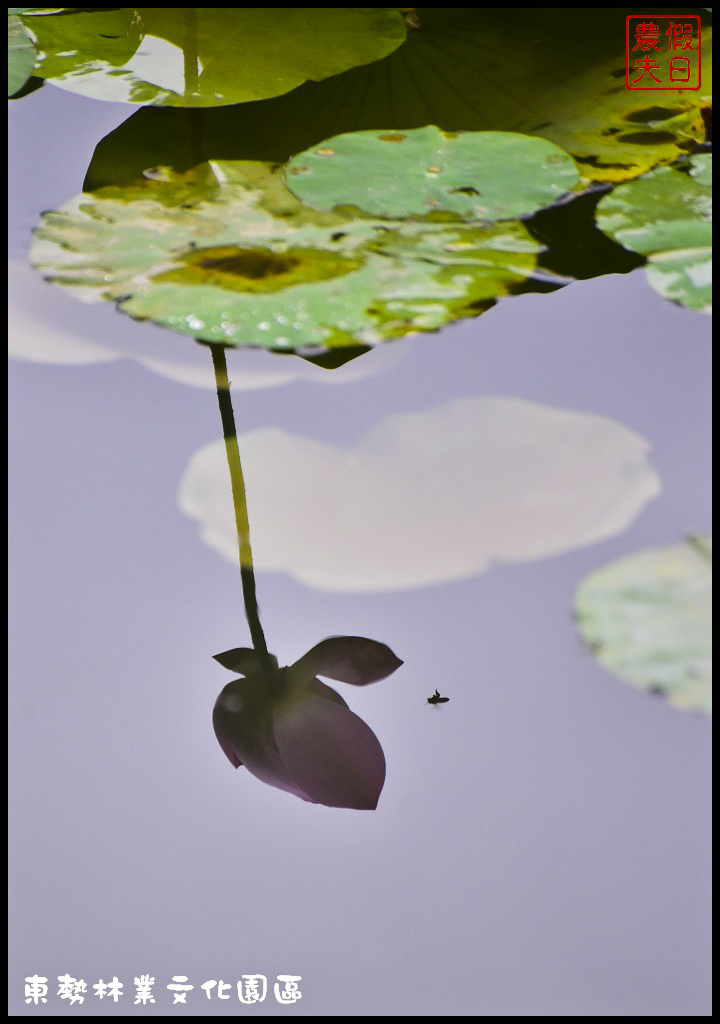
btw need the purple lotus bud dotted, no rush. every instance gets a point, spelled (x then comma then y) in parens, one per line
(297, 734)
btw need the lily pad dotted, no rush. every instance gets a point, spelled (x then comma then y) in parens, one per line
(226, 253)
(474, 175)
(207, 56)
(647, 619)
(667, 216)
(551, 73)
(21, 55)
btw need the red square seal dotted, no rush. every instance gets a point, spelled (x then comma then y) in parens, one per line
(662, 51)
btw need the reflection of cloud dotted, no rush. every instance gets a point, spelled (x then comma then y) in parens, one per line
(98, 334)
(426, 497)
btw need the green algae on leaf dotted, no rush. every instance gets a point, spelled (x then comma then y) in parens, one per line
(207, 56)
(483, 176)
(667, 216)
(647, 619)
(226, 253)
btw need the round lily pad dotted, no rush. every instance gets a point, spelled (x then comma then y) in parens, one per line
(484, 176)
(207, 56)
(667, 216)
(647, 619)
(226, 253)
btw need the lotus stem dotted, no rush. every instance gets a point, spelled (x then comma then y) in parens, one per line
(242, 523)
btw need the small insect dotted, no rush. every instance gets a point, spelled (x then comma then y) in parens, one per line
(437, 699)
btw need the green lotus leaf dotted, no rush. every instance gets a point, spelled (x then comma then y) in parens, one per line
(646, 618)
(207, 56)
(667, 216)
(474, 175)
(701, 169)
(21, 56)
(556, 73)
(225, 253)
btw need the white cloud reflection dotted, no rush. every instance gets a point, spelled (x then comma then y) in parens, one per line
(427, 497)
(97, 333)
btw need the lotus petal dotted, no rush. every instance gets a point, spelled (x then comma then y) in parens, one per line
(330, 753)
(350, 659)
